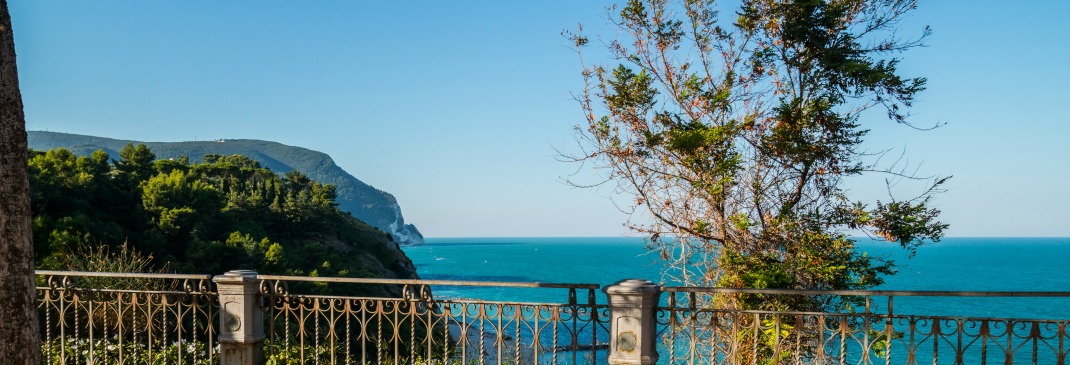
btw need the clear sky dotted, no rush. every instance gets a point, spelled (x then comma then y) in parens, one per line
(455, 107)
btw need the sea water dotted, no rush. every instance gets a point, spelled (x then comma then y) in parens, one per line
(954, 264)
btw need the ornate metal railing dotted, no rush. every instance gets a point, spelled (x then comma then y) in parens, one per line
(122, 318)
(118, 318)
(693, 330)
(418, 328)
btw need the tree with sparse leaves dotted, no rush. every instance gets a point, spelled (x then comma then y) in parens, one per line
(735, 131)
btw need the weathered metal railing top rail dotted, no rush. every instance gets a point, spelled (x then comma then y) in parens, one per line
(524, 284)
(188, 283)
(870, 293)
(122, 275)
(510, 284)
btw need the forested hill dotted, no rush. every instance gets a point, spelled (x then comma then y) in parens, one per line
(371, 205)
(223, 214)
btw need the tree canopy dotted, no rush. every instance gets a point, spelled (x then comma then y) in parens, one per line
(223, 214)
(735, 130)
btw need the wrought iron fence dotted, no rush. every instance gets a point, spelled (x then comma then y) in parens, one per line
(694, 331)
(118, 318)
(418, 328)
(123, 318)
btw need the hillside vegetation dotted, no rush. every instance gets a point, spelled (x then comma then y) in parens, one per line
(224, 213)
(371, 205)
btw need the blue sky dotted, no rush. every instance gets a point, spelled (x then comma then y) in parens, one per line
(456, 107)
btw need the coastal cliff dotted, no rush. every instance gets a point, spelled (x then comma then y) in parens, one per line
(373, 206)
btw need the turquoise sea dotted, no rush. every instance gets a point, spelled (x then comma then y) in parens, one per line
(954, 264)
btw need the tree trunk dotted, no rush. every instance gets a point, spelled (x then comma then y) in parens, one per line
(19, 339)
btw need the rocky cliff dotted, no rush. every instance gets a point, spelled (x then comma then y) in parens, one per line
(373, 206)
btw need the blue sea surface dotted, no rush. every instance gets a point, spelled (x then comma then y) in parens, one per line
(954, 264)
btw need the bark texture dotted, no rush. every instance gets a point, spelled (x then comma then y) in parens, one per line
(19, 339)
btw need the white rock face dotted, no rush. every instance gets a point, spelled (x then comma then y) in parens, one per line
(404, 234)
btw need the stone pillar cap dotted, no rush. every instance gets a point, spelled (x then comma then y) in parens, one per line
(632, 286)
(232, 275)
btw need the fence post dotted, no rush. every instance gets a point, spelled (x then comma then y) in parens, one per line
(633, 329)
(241, 320)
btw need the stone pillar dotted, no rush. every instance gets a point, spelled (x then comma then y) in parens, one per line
(633, 328)
(241, 320)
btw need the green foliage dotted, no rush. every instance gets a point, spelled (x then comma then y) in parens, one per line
(736, 137)
(228, 213)
(882, 342)
(365, 202)
(280, 354)
(104, 258)
(135, 164)
(108, 350)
